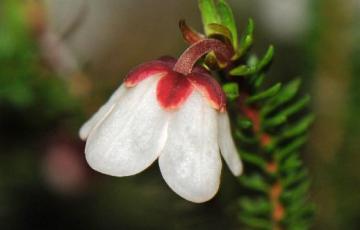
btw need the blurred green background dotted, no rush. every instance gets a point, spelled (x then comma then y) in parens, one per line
(61, 59)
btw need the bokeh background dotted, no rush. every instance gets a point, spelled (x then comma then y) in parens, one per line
(61, 59)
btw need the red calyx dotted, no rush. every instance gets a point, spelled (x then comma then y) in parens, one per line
(179, 78)
(146, 70)
(172, 90)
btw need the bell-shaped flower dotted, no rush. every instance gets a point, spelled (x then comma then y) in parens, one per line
(159, 113)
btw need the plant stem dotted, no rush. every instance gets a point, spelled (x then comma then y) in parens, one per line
(191, 55)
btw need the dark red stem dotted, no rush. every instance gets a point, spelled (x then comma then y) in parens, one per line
(190, 56)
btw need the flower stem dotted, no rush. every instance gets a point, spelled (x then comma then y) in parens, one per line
(191, 55)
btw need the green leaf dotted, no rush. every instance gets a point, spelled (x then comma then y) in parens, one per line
(286, 94)
(294, 178)
(244, 123)
(300, 127)
(253, 159)
(258, 80)
(293, 146)
(247, 39)
(252, 60)
(296, 193)
(215, 29)
(299, 209)
(244, 70)
(266, 59)
(254, 182)
(293, 162)
(209, 13)
(296, 107)
(256, 222)
(231, 90)
(260, 206)
(274, 121)
(265, 94)
(227, 19)
(291, 109)
(243, 138)
(248, 69)
(281, 117)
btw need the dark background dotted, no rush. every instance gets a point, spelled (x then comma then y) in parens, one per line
(61, 59)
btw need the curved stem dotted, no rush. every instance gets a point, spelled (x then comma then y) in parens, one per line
(187, 60)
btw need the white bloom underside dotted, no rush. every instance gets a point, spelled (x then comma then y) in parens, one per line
(131, 131)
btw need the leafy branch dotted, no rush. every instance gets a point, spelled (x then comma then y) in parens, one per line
(270, 127)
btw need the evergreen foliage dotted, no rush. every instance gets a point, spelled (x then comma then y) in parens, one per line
(270, 127)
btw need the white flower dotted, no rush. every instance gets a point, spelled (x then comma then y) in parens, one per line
(159, 113)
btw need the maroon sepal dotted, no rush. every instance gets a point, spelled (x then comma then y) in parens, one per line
(173, 90)
(210, 89)
(178, 78)
(146, 70)
(189, 34)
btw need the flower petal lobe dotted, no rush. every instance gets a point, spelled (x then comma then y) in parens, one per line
(102, 113)
(227, 145)
(190, 161)
(132, 135)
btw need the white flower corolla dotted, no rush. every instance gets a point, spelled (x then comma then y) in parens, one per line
(161, 114)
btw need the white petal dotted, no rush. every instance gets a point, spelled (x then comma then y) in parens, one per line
(190, 161)
(101, 114)
(227, 145)
(132, 135)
